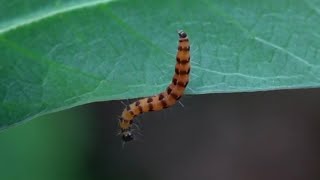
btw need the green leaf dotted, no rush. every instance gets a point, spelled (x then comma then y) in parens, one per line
(60, 54)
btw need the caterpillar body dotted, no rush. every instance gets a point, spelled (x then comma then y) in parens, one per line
(164, 99)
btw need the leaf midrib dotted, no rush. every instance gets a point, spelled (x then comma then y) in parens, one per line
(38, 16)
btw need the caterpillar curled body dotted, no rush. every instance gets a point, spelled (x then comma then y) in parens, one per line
(166, 98)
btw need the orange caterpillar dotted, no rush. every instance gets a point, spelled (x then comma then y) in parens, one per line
(165, 99)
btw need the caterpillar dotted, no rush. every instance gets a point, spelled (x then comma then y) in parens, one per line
(164, 99)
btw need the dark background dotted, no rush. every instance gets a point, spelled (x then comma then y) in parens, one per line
(235, 136)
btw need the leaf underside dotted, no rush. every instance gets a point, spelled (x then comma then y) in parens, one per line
(60, 54)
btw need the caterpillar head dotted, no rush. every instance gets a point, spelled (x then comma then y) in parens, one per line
(127, 136)
(182, 34)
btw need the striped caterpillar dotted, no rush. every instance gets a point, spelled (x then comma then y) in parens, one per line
(165, 99)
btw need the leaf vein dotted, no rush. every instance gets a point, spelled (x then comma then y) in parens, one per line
(265, 42)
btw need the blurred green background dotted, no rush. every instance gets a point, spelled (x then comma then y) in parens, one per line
(262, 135)
(50, 147)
